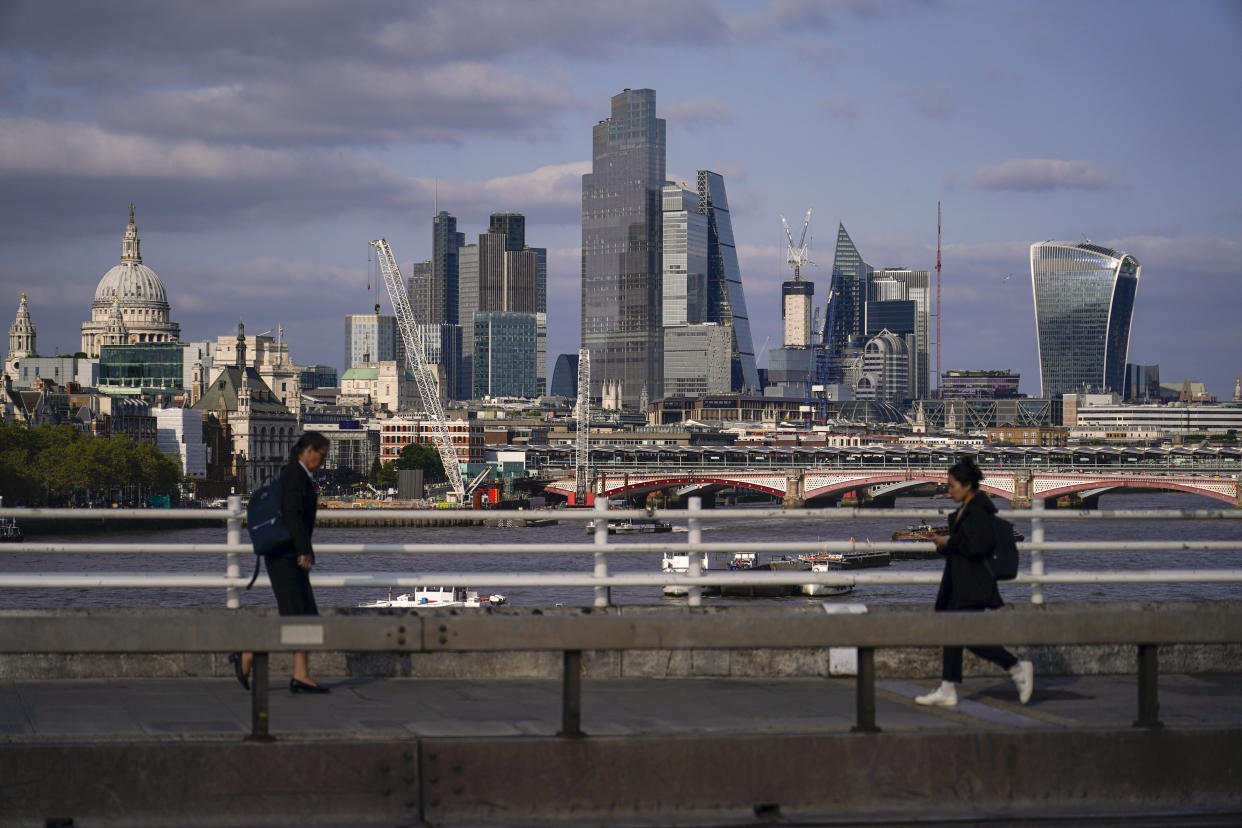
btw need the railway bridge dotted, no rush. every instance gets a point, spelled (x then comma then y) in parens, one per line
(798, 487)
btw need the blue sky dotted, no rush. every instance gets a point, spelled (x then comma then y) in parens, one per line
(265, 143)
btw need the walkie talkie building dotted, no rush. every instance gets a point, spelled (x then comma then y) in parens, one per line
(1084, 302)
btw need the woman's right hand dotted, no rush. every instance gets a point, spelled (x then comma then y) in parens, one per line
(304, 561)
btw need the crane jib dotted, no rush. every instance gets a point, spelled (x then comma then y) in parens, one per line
(423, 372)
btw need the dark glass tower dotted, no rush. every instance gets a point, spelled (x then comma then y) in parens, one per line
(445, 243)
(513, 225)
(726, 304)
(1084, 301)
(847, 302)
(621, 233)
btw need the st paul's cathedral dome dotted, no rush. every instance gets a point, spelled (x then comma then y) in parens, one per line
(138, 293)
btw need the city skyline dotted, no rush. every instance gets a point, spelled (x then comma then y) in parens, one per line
(263, 158)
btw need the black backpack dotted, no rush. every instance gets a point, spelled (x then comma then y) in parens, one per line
(263, 521)
(1004, 559)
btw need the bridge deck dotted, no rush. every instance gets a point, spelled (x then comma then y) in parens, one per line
(364, 708)
(402, 751)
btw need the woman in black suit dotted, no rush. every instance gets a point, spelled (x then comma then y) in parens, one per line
(289, 565)
(968, 583)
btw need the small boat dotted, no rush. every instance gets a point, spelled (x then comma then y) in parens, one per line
(920, 532)
(743, 560)
(433, 597)
(674, 564)
(10, 532)
(924, 532)
(859, 559)
(633, 527)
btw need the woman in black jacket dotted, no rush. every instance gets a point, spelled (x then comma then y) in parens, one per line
(968, 583)
(289, 565)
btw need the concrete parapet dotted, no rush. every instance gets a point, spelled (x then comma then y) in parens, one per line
(743, 778)
(905, 662)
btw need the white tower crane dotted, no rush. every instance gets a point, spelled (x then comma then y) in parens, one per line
(391, 275)
(796, 257)
(582, 447)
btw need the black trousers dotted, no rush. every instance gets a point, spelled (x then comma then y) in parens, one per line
(291, 584)
(952, 669)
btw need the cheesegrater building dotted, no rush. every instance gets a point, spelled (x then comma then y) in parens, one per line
(1084, 303)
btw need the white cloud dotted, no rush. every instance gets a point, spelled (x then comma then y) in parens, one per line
(1042, 175)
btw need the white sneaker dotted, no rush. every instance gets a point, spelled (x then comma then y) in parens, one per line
(943, 696)
(1024, 678)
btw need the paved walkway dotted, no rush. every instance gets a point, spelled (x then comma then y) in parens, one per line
(383, 708)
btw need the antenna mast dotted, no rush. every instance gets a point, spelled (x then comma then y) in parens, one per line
(937, 296)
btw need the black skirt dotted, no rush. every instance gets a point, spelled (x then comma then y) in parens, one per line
(291, 584)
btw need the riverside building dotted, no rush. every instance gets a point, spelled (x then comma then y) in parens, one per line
(1084, 303)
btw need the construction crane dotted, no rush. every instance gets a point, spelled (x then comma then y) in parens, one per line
(582, 447)
(391, 275)
(796, 257)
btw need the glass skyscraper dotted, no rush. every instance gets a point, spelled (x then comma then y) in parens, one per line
(684, 258)
(621, 235)
(504, 355)
(726, 303)
(1084, 302)
(847, 303)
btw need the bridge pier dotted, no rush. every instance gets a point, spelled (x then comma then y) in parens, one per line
(1021, 489)
(795, 490)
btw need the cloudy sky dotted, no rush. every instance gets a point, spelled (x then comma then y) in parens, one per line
(264, 143)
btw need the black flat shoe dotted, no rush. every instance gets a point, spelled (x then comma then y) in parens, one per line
(242, 678)
(296, 686)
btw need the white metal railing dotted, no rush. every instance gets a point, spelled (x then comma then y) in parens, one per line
(600, 577)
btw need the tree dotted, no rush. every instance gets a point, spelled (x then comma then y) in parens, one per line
(422, 456)
(385, 477)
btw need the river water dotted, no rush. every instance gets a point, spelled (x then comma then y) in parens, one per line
(876, 526)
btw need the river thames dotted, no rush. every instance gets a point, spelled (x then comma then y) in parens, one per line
(876, 526)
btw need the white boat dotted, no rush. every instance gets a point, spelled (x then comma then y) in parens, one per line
(826, 590)
(632, 527)
(678, 564)
(435, 596)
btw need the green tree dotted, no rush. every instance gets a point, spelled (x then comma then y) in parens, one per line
(385, 477)
(422, 456)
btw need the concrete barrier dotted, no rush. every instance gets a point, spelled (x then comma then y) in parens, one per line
(767, 662)
(884, 778)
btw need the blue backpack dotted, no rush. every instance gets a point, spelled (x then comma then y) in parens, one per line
(263, 521)
(1004, 559)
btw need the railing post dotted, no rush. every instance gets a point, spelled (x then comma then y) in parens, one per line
(1148, 681)
(259, 700)
(694, 537)
(603, 594)
(1037, 555)
(233, 559)
(865, 693)
(571, 696)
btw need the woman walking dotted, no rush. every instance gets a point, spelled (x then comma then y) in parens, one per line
(289, 565)
(968, 583)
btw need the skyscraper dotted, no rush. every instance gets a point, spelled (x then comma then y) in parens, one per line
(902, 285)
(684, 259)
(419, 291)
(847, 298)
(621, 233)
(726, 303)
(1084, 302)
(445, 242)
